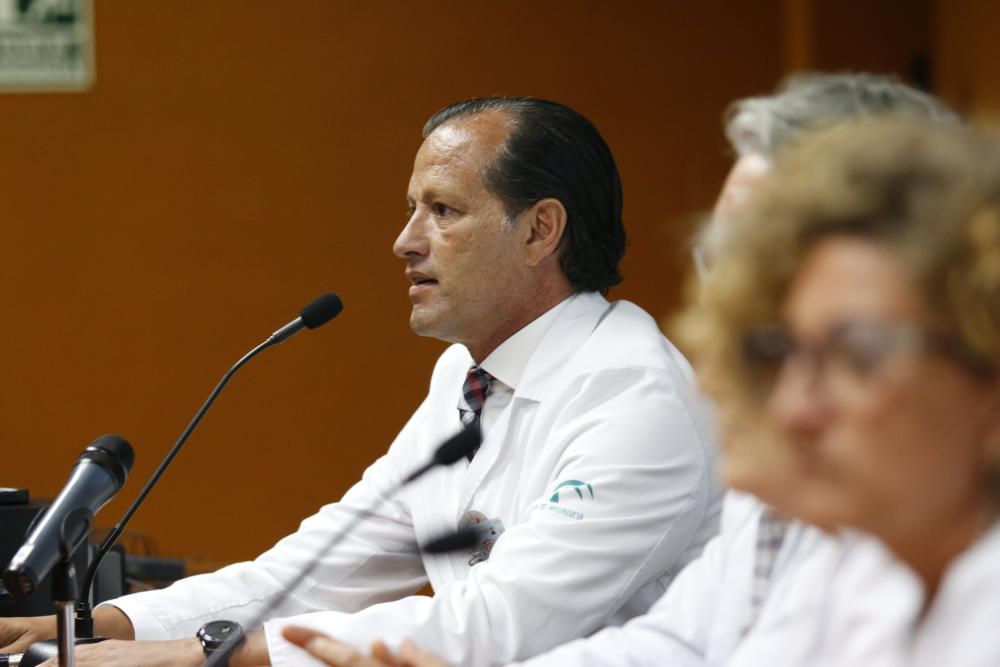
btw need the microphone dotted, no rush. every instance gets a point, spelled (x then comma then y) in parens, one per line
(461, 539)
(455, 448)
(315, 314)
(97, 476)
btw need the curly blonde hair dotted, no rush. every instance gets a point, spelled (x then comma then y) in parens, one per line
(927, 192)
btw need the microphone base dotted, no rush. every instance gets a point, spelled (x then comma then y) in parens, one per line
(39, 652)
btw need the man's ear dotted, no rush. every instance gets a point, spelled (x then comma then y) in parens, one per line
(546, 223)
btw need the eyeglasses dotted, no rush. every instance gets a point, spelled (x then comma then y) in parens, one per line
(851, 355)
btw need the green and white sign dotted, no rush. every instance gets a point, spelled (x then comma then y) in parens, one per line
(46, 45)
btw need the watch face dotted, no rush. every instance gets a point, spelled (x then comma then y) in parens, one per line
(214, 633)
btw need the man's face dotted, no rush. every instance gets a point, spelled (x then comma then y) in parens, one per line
(463, 259)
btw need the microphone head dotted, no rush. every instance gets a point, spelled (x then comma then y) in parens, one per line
(459, 446)
(320, 311)
(462, 539)
(114, 454)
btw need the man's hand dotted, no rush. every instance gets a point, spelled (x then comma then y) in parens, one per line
(17, 634)
(118, 653)
(172, 653)
(337, 654)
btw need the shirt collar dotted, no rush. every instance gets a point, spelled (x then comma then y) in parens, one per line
(508, 361)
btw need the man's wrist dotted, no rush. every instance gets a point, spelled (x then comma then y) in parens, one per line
(252, 652)
(193, 651)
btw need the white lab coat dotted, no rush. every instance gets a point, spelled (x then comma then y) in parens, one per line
(876, 611)
(604, 400)
(833, 600)
(837, 600)
(962, 627)
(703, 618)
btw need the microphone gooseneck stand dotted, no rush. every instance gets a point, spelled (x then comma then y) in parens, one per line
(84, 617)
(82, 630)
(452, 450)
(315, 314)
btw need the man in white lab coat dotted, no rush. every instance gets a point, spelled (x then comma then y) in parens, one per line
(596, 468)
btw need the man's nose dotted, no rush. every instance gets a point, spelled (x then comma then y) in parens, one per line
(411, 240)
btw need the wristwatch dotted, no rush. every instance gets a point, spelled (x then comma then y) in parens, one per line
(213, 634)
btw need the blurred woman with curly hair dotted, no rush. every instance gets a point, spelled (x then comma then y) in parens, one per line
(850, 333)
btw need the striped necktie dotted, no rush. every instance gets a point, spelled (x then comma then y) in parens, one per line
(477, 385)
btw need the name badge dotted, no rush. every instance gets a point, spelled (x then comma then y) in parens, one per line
(489, 531)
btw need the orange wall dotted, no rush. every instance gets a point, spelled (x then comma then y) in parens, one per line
(235, 159)
(968, 70)
(880, 35)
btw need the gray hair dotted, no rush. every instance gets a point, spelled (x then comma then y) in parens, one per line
(806, 102)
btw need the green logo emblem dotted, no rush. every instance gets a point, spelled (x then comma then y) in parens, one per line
(574, 484)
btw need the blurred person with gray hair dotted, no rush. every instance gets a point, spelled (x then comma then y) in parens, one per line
(758, 592)
(759, 128)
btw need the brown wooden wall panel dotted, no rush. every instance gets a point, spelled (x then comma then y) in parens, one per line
(236, 158)
(889, 36)
(967, 65)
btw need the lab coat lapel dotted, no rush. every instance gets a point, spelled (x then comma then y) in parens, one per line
(562, 341)
(484, 459)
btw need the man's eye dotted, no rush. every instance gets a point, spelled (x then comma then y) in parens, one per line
(440, 210)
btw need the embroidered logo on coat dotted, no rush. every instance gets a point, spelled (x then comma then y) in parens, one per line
(572, 485)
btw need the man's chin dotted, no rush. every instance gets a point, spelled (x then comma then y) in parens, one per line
(432, 328)
(423, 325)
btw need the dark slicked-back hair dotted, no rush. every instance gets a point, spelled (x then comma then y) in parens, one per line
(553, 151)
